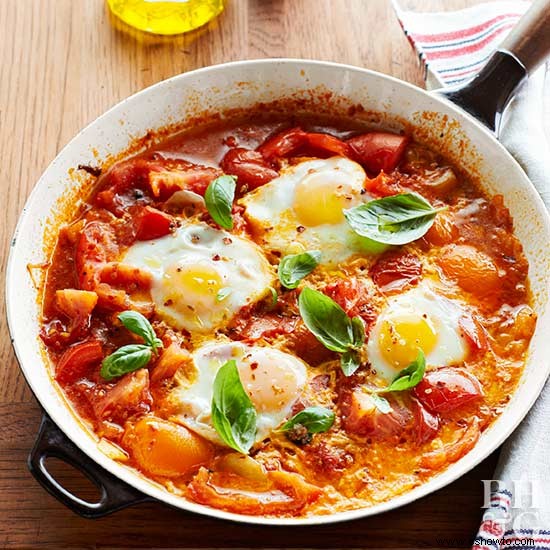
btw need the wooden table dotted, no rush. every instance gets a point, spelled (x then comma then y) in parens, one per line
(64, 62)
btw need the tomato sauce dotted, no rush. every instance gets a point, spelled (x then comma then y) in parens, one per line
(370, 454)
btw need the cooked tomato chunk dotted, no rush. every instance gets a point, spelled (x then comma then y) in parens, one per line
(283, 143)
(443, 231)
(362, 416)
(454, 451)
(396, 271)
(96, 246)
(185, 176)
(379, 151)
(152, 223)
(77, 305)
(249, 167)
(472, 269)
(426, 423)
(353, 297)
(172, 358)
(474, 333)
(130, 395)
(328, 144)
(446, 389)
(77, 360)
(286, 493)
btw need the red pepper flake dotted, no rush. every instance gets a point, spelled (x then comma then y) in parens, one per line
(227, 240)
(300, 229)
(253, 366)
(216, 258)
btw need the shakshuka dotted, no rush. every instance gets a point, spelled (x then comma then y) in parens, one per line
(287, 316)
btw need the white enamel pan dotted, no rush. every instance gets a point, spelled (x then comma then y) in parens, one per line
(466, 134)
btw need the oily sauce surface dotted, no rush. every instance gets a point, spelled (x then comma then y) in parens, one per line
(469, 258)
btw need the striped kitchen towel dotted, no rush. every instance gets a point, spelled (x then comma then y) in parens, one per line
(452, 47)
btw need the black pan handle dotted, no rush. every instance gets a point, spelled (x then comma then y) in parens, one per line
(52, 442)
(524, 49)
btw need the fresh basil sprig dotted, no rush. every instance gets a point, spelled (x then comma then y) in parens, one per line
(124, 360)
(294, 267)
(138, 324)
(395, 220)
(218, 198)
(314, 419)
(133, 356)
(409, 377)
(233, 414)
(332, 327)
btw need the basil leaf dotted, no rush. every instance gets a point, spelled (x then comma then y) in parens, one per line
(124, 360)
(349, 361)
(381, 403)
(314, 419)
(294, 267)
(138, 324)
(223, 293)
(326, 320)
(219, 197)
(409, 377)
(358, 331)
(274, 297)
(399, 219)
(233, 414)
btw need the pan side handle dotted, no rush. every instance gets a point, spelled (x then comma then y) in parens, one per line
(524, 49)
(52, 442)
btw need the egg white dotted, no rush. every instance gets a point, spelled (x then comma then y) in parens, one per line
(272, 209)
(189, 269)
(273, 379)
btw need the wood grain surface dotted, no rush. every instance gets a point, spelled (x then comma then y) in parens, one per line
(64, 62)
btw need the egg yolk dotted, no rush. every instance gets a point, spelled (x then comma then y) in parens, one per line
(400, 339)
(199, 280)
(321, 197)
(166, 449)
(270, 384)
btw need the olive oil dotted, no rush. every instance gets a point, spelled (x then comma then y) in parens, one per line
(166, 16)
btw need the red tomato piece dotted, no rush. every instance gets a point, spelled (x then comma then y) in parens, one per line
(151, 223)
(132, 173)
(331, 144)
(249, 166)
(384, 185)
(124, 184)
(283, 143)
(77, 305)
(127, 276)
(426, 423)
(77, 360)
(447, 389)
(395, 271)
(452, 452)
(96, 246)
(474, 333)
(191, 177)
(353, 297)
(378, 151)
(269, 325)
(130, 395)
(362, 417)
(286, 493)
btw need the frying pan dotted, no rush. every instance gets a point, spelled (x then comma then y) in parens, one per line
(462, 122)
